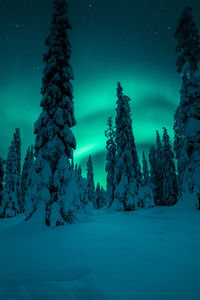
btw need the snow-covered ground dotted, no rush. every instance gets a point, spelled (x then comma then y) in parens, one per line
(148, 254)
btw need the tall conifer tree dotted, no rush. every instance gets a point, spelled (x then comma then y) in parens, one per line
(51, 175)
(126, 172)
(187, 116)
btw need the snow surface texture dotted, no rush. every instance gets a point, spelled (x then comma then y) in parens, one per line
(146, 254)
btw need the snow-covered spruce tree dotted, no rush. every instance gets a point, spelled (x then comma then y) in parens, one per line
(188, 44)
(170, 189)
(188, 50)
(1, 181)
(110, 161)
(181, 121)
(187, 115)
(90, 185)
(159, 171)
(10, 204)
(126, 174)
(189, 153)
(24, 177)
(51, 180)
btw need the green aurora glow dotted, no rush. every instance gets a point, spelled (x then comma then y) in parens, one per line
(138, 51)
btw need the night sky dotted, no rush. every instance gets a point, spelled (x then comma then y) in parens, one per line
(112, 40)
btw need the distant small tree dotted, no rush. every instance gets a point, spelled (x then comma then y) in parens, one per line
(188, 44)
(170, 189)
(153, 169)
(98, 196)
(159, 171)
(10, 205)
(82, 185)
(136, 163)
(17, 142)
(145, 190)
(25, 173)
(103, 197)
(110, 161)
(90, 179)
(145, 170)
(79, 170)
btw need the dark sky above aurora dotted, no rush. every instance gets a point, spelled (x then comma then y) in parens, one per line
(113, 40)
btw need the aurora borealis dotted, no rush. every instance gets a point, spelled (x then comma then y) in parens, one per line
(122, 40)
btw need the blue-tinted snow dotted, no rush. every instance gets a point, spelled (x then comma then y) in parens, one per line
(147, 254)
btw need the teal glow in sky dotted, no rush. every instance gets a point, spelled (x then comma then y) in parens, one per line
(127, 41)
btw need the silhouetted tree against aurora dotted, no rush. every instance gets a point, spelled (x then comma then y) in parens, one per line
(51, 176)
